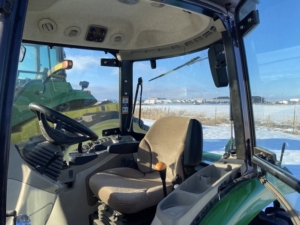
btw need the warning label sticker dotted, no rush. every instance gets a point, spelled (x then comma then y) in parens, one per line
(125, 100)
(125, 104)
(125, 110)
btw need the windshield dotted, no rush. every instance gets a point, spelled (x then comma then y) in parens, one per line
(85, 92)
(183, 86)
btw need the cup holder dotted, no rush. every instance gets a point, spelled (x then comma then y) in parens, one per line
(193, 194)
(205, 178)
(196, 184)
(177, 204)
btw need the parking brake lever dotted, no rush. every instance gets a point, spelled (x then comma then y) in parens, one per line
(162, 169)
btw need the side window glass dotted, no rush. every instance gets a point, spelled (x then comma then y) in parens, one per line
(273, 59)
(187, 91)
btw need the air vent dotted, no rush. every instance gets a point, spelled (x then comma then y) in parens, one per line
(129, 2)
(117, 38)
(47, 26)
(175, 47)
(198, 39)
(189, 43)
(211, 30)
(46, 158)
(72, 32)
(206, 34)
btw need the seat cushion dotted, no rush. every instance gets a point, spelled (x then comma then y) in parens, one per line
(124, 190)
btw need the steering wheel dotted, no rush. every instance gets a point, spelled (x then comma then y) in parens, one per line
(76, 132)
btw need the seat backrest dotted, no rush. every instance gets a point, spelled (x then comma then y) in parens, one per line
(168, 140)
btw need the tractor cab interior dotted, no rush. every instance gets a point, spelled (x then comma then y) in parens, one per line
(137, 112)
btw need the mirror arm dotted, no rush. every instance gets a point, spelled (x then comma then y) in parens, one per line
(37, 92)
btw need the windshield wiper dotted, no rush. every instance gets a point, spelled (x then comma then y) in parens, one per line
(192, 61)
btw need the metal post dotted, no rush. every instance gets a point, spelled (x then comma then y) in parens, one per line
(12, 19)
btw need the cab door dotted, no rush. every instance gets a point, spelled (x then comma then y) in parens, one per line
(12, 17)
(269, 34)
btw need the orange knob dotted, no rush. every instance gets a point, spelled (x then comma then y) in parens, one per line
(160, 166)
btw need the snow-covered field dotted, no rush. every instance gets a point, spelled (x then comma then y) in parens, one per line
(261, 112)
(216, 137)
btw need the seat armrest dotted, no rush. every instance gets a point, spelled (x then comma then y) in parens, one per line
(124, 148)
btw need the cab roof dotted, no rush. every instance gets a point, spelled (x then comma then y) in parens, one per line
(135, 29)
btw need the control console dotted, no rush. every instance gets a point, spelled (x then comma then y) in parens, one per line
(92, 149)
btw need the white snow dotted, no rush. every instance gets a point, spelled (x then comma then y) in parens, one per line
(148, 122)
(261, 112)
(216, 137)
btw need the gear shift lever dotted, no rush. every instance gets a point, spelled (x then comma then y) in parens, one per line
(162, 169)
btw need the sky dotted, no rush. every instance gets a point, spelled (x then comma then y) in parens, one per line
(273, 51)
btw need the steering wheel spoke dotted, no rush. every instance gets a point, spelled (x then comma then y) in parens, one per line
(74, 132)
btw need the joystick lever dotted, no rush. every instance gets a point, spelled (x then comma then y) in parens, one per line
(162, 169)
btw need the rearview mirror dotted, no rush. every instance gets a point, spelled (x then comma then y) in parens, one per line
(64, 65)
(153, 63)
(217, 62)
(84, 84)
(22, 53)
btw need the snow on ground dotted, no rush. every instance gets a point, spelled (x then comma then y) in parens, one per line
(148, 122)
(261, 112)
(216, 137)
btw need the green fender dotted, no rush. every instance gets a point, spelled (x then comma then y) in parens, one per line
(240, 205)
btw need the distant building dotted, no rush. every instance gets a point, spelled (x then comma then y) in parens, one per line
(294, 100)
(163, 101)
(219, 100)
(258, 99)
(151, 101)
(157, 101)
(285, 102)
(222, 99)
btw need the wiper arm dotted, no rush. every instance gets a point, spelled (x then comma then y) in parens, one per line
(192, 61)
